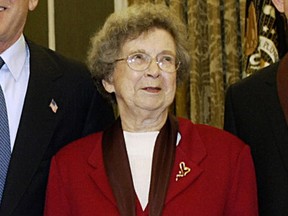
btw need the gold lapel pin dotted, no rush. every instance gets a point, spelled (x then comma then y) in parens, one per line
(183, 171)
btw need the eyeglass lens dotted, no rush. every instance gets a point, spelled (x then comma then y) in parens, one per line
(142, 61)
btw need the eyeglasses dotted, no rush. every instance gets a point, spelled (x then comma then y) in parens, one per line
(142, 61)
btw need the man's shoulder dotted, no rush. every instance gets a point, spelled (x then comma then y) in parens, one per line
(56, 59)
(257, 80)
(265, 74)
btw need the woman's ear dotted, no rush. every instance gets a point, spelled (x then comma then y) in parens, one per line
(279, 4)
(108, 85)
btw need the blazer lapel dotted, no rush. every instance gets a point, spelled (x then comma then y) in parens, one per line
(99, 175)
(35, 130)
(186, 168)
(191, 154)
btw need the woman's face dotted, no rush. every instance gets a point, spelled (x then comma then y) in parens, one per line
(152, 89)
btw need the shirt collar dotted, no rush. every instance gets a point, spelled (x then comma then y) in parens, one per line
(15, 57)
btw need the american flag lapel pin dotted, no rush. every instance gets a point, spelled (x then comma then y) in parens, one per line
(53, 106)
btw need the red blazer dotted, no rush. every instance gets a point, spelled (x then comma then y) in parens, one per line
(221, 181)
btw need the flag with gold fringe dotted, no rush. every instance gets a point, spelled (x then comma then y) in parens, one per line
(265, 41)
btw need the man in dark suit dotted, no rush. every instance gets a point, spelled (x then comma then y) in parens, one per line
(50, 102)
(256, 110)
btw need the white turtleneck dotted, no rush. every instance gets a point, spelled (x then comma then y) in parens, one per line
(140, 147)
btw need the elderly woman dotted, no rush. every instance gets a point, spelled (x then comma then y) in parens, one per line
(149, 162)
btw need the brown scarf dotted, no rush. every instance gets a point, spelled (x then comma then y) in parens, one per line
(119, 173)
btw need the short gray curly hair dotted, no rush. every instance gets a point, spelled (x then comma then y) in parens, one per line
(127, 25)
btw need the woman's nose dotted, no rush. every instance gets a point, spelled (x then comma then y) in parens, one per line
(153, 69)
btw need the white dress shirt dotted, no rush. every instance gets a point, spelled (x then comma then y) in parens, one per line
(14, 76)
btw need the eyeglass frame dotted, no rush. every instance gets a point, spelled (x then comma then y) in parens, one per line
(177, 62)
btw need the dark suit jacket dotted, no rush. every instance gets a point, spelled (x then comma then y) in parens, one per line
(221, 181)
(42, 133)
(253, 112)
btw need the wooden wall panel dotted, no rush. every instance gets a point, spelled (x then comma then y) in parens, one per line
(37, 24)
(75, 22)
